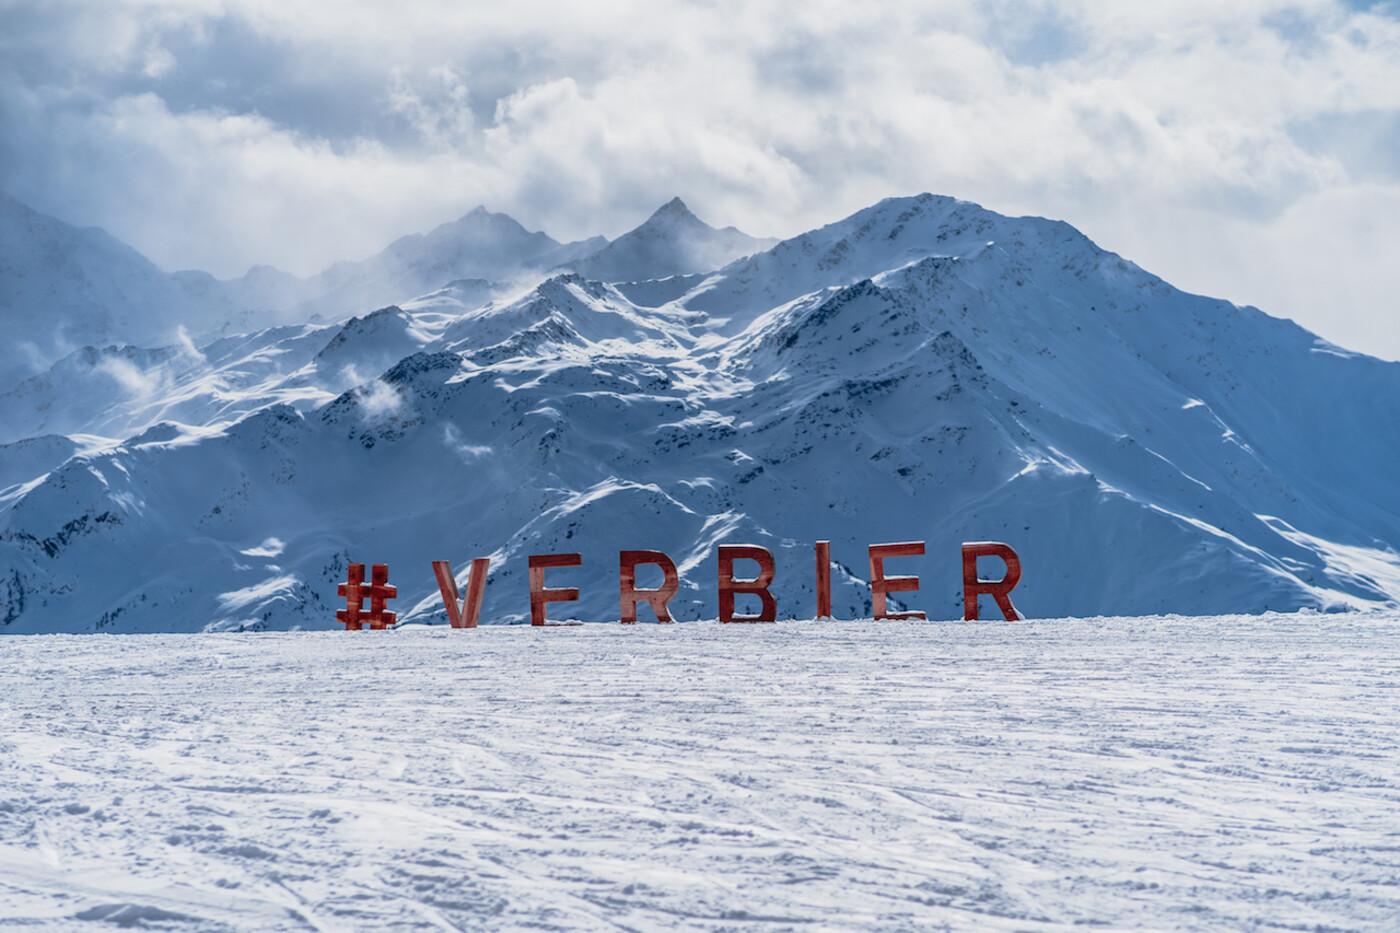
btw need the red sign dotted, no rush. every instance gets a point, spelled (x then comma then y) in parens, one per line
(467, 613)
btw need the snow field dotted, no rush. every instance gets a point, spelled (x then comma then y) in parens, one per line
(1223, 773)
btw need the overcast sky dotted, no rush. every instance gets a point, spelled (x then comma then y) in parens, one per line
(1248, 150)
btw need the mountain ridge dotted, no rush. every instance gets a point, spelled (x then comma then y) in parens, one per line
(671, 242)
(67, 287)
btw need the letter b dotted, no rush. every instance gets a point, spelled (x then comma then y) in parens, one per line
(728, 586)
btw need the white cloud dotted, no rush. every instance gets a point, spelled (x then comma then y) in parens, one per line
(378, 400)
(134, 381)
(441, 113)
(159, 62)
(271, 547)
(1201, 139)
(188, 350)
(469, 454)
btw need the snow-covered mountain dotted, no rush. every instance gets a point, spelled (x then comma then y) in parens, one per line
(62, 287)
(66, 289)
(924, 369)
(481, 245)
(672, 241)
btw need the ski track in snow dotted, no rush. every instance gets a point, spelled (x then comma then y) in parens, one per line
(1225, 773)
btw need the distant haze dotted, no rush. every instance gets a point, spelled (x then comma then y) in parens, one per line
(1249, 150)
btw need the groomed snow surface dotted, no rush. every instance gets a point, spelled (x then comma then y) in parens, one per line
(1224, 773)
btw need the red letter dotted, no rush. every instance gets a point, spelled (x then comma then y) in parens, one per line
(823, 579)
(881, 584)
(539, 596)
(466, 615)
(627, 583)
(973, 586)
(728, 586)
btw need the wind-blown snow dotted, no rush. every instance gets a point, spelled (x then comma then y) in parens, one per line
(1230, 773)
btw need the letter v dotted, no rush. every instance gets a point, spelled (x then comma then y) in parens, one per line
(469, 612)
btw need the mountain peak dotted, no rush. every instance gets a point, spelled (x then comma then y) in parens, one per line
(672, 241)
(673, 207)
(671, 216)
(479, 216)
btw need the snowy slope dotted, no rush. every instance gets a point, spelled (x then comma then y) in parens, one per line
(116, 392)
(1217, 774)
(923, 370)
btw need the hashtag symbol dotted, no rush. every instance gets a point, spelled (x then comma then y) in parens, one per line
(378, 592)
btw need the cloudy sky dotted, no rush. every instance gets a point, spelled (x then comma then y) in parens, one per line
(1248, 150)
